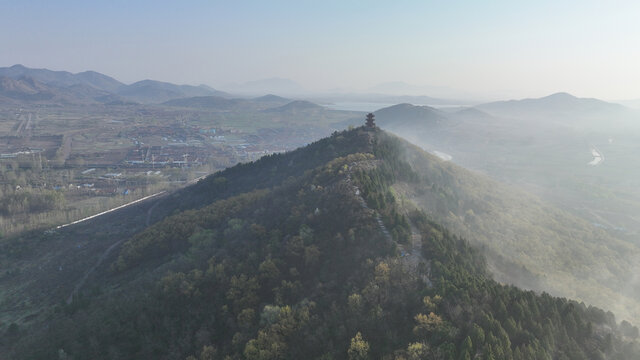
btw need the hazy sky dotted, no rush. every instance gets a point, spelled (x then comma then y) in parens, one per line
(588, 48)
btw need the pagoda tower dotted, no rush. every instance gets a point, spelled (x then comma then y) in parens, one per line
(370, 121)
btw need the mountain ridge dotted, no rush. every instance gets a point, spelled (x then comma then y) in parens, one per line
(295, 106)
(261, 263)
(146, 91)
(408, 115)
(65, 78)
(558, 105)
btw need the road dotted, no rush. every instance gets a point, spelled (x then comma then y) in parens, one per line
(108, 211)
(106, 253)
(129, 204)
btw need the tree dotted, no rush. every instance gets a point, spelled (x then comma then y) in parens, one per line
(359, 348)
(466, 349)
(208, 353)
(426, 324)
(477, 336)
(417, 351)
(432, 303)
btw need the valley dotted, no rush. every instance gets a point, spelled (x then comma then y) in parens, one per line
(107, 202)
(335, 180)
(95, 158)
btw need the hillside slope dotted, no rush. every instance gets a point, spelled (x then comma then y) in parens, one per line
(312, 254)
(547, 157)
(528, 242)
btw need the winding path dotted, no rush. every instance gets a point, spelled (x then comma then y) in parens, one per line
(363, 204)
(80, 283)
(410, 254)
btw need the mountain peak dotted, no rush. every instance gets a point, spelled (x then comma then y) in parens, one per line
(408, 115)
(560, 95)
(270, 97)
(314, 238)
(559, 106)
(296, 106)
(410, 106)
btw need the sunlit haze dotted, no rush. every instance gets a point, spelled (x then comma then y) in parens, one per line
(486, 49)
(347, 180)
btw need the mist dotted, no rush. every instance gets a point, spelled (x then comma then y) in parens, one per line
(436, 49)
(577, 157)
(320, 180)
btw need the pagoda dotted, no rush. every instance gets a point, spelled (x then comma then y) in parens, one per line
(370, 121)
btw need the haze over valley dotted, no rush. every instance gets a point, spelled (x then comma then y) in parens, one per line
(319, 181)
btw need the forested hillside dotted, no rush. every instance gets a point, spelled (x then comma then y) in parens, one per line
(313, 254)
(572, 232)
(528, 242)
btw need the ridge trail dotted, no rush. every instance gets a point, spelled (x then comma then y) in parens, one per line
(410, 254)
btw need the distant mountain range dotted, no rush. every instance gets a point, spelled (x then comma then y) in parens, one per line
(296, 106)
(20, 83)
(28, 89)
(268, 103)
(63, 78)
(383, 99)
(270, 98)
(560, 106)
(151, 91)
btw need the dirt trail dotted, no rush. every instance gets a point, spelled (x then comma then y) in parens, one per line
(150, 211)
(66, 147)
(410, 254)
(363, 203)
(80, 283)
(22, 123)
(106, 253)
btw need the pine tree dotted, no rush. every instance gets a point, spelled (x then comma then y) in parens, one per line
(359, 348)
